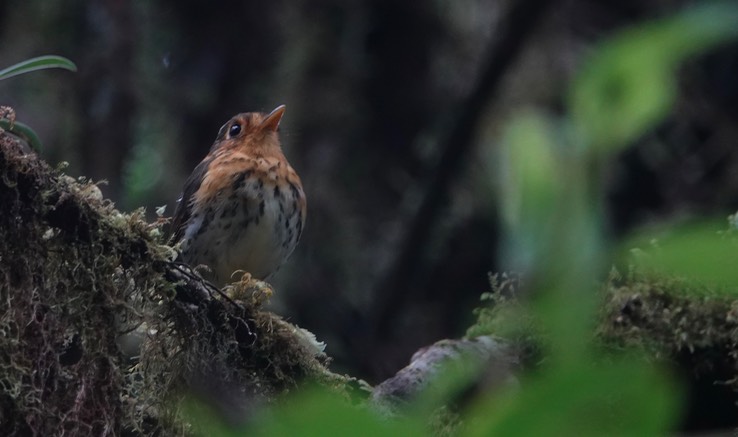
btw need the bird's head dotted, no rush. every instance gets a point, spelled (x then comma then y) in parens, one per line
(252, 130)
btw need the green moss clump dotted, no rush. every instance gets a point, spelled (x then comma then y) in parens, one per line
(672, 318)
(690, 325)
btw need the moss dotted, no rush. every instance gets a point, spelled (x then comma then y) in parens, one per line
(78, 277)
(503, 315)
(671, 318)
(692, 326)
(66, 275)
(500, 314)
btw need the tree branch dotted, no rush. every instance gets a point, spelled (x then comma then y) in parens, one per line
(393, 291)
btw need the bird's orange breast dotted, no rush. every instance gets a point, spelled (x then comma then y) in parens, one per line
(248, 214)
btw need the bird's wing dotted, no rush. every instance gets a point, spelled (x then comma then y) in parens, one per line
(184, 206)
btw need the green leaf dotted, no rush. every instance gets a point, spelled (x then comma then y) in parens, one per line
(622, 398)
(205, 420)
(310, 412)
(532, 180)
(320, 413)
(23, 131)
(553, 230)
(629, 84)
(695, 251)
(532, 173)
(39, 63)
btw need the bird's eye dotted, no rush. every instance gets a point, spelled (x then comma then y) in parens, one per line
(234, 130)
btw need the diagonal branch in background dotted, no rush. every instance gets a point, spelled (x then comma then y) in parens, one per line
(395, 290)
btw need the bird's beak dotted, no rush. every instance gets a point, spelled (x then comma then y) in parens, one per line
(271, 121)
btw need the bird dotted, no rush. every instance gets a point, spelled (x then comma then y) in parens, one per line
(243, 208)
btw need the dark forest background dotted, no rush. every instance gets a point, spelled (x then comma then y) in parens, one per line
(371, 87)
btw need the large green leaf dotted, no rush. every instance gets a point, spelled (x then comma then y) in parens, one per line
(620, 398)
(697, 252)
(309, 412)
(320, 413)
(531, 169)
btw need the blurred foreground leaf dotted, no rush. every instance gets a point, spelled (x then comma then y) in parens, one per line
(621, 398)
(629, 85)
(532, 181)
(696, 252)
(320, 413)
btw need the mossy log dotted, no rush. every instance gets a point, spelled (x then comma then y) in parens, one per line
(79, 280)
